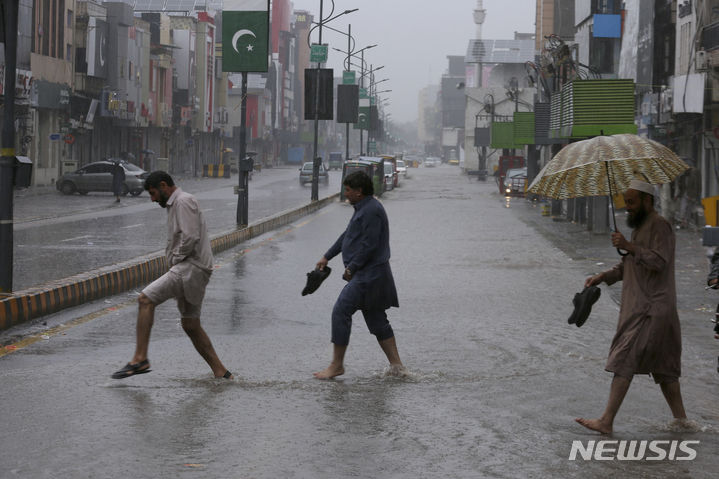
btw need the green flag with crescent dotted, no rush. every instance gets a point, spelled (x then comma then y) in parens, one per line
(245, 35)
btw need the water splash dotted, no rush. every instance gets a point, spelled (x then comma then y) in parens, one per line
(685, 425)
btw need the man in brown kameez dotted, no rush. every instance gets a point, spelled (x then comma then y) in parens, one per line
(648, 337)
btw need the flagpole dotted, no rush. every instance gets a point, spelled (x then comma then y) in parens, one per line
(244, 172)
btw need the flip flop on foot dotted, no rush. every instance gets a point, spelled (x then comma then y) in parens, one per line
(132, 369)
(227, 375)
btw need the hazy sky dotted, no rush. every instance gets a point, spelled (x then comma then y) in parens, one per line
(414, 38)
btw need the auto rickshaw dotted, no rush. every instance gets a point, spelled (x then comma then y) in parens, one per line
(372, 166)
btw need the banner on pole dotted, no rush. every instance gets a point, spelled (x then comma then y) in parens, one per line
(245, 35)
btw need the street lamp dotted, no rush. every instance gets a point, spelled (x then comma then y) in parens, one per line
(348, 64)
(372, 94)
(315, 159)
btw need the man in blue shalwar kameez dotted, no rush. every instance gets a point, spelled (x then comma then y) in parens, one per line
(370, 286)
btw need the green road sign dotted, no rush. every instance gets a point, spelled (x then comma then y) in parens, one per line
(348, 77)
(318, 53)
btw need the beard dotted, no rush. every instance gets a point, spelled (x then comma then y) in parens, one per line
(636, 219)
(163, 199)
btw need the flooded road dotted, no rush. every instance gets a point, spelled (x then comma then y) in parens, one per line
(496, 376)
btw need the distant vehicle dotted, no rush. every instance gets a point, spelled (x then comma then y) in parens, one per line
(372, 166)
(335, 160)
(452, 159)
(393, 161)
(401, 168)
(505, 164)
(97, 176)
(432, 161)
(515, 182)
(389, 176)
(306, 174)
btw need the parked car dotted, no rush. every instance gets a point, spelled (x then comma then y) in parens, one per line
(515, 181)
(402, 168)
(306, 174)
(432, 161)
(97, 176)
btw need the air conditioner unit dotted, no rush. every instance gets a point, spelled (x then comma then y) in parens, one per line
(701, 61)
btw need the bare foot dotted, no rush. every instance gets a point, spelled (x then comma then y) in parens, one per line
(397, 370)
(595, 425)
(331, 372)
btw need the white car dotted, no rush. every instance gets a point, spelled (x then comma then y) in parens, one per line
(432, 161)
(401, 168)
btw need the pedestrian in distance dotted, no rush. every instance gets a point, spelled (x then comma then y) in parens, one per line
(190, 262)
(648, 336)
(118, 180)
(370, 286)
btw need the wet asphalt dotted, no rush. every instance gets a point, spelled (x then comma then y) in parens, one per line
(496, 375)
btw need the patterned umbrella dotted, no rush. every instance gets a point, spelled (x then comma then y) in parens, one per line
(604, 165)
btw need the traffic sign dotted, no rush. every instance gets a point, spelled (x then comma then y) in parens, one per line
(318, 53)
(348, 77)
(55, 136)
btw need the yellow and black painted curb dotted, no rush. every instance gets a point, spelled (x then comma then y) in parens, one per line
(22, 306)
(216, 171)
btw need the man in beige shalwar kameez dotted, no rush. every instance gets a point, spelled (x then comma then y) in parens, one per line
(648, 337)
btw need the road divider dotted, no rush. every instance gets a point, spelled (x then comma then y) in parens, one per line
(25, 305)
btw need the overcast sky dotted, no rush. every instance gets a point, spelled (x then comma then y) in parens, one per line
(414, 38)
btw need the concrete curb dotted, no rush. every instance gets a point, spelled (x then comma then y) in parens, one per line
(22, 306)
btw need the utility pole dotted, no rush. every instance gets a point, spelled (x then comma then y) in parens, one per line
(7, 149)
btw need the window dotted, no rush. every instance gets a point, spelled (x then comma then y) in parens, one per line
(601, 52)
(68, 52)
(69, 19)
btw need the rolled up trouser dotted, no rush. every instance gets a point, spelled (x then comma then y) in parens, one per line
(342, 312)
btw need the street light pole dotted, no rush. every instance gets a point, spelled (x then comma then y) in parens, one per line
(315, 160)
(361, 87)
(347, 125)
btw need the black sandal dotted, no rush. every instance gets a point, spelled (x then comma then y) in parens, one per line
(227, 374)
(132, 370)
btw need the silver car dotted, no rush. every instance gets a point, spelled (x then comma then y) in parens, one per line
(97, 176)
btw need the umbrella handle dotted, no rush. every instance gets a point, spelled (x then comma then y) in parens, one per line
(611, 206)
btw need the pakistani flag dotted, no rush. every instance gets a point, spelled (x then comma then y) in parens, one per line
(245, 35)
